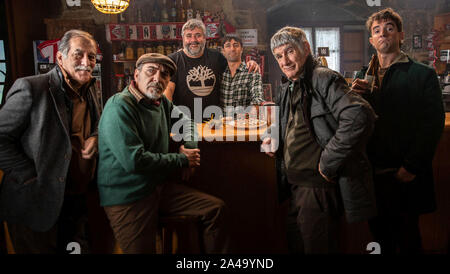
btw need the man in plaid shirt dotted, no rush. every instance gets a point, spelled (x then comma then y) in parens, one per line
(238, 87)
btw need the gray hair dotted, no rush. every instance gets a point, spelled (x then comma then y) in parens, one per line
(64, 44)
(288, 35)
(192, 24)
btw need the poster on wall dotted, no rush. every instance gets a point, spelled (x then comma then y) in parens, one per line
(44, 55)
(249, 37)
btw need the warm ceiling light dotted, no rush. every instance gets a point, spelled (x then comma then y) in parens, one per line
(111, 6)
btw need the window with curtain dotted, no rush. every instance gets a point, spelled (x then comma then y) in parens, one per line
(2, 70)
(309, 32)
(329, 37)
(325, 37)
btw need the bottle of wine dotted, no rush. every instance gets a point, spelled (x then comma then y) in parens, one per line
(173, 12)
(140, 50)
(198, 15)
(371, 72)
(139, 15)
(189, 11)
(122, 18)
(164, 12)
(155, 12)
(181, 12)
(129, 52)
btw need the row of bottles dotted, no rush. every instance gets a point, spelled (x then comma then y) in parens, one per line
(159, 11)
(212, 44)
(124, 79)
(133, 50)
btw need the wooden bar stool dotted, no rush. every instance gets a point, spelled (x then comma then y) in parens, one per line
(181, 235)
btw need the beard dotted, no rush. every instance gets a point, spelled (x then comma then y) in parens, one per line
(200, 49)
(154, 91)
(233, 58)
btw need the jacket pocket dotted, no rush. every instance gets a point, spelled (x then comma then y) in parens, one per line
(318, 110)
(21, 176)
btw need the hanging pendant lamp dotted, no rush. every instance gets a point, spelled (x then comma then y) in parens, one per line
(111, 6)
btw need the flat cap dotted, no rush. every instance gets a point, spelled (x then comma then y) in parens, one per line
(158, 59)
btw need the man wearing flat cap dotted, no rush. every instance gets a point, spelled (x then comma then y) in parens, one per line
(135, 163)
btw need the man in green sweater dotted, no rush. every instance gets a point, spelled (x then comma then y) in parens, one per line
(135, 163)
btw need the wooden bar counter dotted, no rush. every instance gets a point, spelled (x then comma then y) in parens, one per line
(234, 169)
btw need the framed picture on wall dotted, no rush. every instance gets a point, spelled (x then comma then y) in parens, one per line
(417, 41)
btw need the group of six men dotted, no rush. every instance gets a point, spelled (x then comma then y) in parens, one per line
(363, 150)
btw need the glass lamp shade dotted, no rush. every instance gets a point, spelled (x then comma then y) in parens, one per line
(111, 6)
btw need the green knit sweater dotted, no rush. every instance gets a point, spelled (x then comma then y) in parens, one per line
(133, 144)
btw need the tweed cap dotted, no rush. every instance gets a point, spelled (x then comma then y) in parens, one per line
(158, 59)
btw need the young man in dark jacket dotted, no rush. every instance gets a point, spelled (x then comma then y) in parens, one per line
(321, 161)
(408, 101)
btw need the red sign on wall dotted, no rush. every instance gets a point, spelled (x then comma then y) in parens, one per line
(152, 31)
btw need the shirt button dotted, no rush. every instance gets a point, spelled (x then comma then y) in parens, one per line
(61, 179)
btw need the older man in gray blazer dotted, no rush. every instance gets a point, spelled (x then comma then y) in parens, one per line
(48, 150)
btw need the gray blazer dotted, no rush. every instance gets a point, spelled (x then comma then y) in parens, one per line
(35, 149)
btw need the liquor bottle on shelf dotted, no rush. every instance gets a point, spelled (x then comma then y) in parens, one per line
(198, 15)
(189, 11)
(140, 50)
(122, 53)
(173, 11)
(122, 18)
(168, 49)
(164, 12)
(181, 12)
(130, 15)
(139, 15)
(155, 12)
(120, 82)
(129, 52)
(148, 48)
(128, 77)
(160, 48)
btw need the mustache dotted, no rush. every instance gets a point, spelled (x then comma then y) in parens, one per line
(156, 85)
(83, 68)
(193, 43)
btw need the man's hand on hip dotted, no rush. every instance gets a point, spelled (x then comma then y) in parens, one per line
(325, 177)
(404, 176)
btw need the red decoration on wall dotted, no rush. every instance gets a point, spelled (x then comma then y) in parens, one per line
(257, 57)
(153, 31)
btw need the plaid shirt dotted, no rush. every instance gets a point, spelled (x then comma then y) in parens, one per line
(244, 89)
